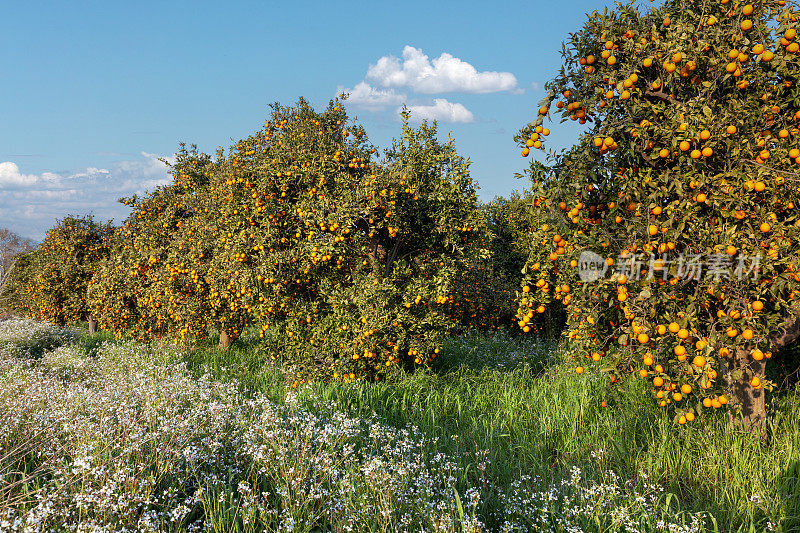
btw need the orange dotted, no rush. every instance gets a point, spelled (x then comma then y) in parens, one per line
(746, 24)
(757, 306)
(730, 130)
(699, 361)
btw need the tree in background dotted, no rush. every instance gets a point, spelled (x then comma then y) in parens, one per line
(51, 282)
(686, 186)
(12, 246)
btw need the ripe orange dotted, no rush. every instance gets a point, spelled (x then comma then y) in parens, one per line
(699, 361)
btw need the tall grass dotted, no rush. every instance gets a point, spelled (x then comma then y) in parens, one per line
(522, 401)
(501, 436)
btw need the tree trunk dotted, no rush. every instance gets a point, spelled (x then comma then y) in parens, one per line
(225, 340)
(92, 325)
(748, 406)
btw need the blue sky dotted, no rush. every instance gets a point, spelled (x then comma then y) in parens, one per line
(94, 94)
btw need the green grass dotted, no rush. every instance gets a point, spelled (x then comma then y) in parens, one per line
(522, 401)
(515, 418)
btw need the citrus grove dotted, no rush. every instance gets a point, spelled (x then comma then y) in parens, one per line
(686, 184)
(345, 264)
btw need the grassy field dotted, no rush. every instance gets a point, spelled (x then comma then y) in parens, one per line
(503, 436)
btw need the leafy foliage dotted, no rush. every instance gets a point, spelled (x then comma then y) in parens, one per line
(51, 282)
(345, 263)
(690, 154)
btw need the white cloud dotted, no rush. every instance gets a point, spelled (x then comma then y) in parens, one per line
(535, 85)
(441, 110)
(368, 97)
(11, 177)
(445, 73)
(31, 203)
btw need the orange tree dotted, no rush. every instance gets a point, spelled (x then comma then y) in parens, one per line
(153, 283)
(343, 263)
(51, 283)
(483, 298)
(685, 186)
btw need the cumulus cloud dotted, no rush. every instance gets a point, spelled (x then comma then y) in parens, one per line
(31, 203)
(441, 110)
(445, 73)
(365, 96)
(11, 177)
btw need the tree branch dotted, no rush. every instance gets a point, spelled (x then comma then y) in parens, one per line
(644, 156)
(789, 331)
(661, 95)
